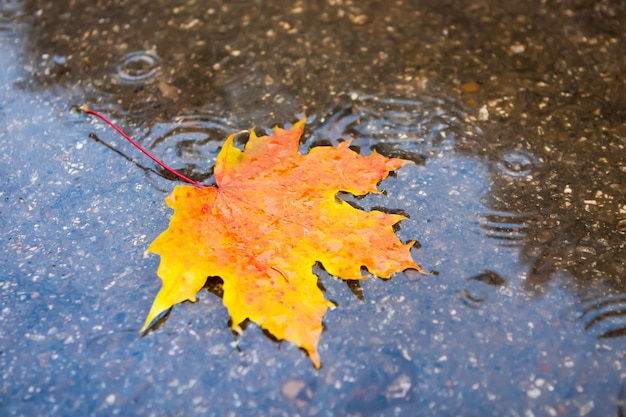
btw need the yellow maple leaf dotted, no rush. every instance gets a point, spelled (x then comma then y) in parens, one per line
(272, 215)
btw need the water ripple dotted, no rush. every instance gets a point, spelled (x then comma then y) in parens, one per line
(138, 67)
(395, 126)
(190, 143)
(11, 5)
(10, 13)
(604, 316)
(516, 163)
(479, 287)
(509, 229)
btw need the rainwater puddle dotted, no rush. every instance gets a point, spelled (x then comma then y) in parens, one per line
(138, 67)
(604, 317)
(397, 127)
(10, 18)
(511, 113)
(517, 163)
(191, 142)
(480, 287)
(509, 229)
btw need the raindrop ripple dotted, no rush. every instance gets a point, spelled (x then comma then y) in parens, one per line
(138, 67)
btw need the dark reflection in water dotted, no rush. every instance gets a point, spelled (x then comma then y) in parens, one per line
(191, 141)
(506, 228)
(566, 215)
(513, 113)
(605, 317)
(413, 129)
(478, 287)
(392, 382)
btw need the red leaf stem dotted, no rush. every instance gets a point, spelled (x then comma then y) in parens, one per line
(85, 109)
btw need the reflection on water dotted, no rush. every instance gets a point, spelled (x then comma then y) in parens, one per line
(515, 193)
(377, 389)
(604, 317)
(509, 229)
(6, 5)
(478, 288)
(621, 401)
(399, 126)
(190, 142)
(11, 15)
(11, 9)
(13, 29)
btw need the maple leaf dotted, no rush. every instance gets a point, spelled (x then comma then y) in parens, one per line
(272, 215)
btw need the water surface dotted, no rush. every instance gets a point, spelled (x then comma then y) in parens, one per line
(513, 114)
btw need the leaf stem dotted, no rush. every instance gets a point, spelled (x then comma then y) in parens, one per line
(87, 110)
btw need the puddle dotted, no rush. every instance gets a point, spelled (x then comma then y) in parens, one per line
(517, 163)
(191, 142)
(138, 67)
(512, 115)
(603, 316)
(479, 288)
(372, 120)
(11, 19)
(509, 229)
